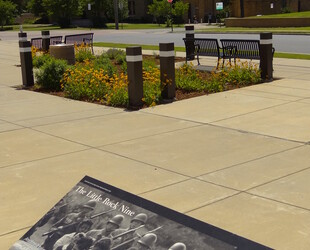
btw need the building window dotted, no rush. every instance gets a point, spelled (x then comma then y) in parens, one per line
(131, 8)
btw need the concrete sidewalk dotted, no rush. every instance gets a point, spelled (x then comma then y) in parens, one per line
(239, 160)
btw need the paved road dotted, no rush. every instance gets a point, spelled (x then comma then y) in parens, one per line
(282, 43)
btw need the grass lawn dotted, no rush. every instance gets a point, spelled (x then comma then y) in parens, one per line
(132, 26)
(292, 30)
(125, 26)
(286, 15)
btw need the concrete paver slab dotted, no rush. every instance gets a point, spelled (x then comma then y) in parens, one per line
(10, 75)
(306, 100)
(55, 176)
(264, 170)
(274, 224)
(6, 241)
(282, 90)
(25, 145)
(292, 84)
(200, 150)
(12, 95)
(44, 109)
(290, 121)
(182, 196)
(252, 91)
(293, 189)
(305, 77)
(5, 126)
(99, 131)
(214, 107)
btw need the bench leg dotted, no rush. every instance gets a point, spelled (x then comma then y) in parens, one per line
(198, 59)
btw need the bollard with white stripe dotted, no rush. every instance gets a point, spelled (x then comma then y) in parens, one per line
(26, 63)
(266, 56)
(22, 37)
(167, 70)
(45, 40)
(135, 77)
(190, 35)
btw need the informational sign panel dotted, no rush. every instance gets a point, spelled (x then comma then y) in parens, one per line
(98, 216)
(219, 5)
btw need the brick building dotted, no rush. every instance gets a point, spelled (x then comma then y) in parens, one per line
(245, 8)
(238, 8)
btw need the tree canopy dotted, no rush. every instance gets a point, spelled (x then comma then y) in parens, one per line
(7, 12)
(162, 10)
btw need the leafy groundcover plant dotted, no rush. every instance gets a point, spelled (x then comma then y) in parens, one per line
(103, 79)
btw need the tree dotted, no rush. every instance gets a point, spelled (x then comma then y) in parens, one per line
(7, 12)
(103, 10)
(180, 8)
(64, 10)
(159, 9)
(123, 9)
(97, 13)
(36, 7)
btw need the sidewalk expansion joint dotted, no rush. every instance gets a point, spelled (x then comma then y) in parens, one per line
(213, 202)
(252, 160)
(14, 231)
(234, 129)
(149, 136)
(278, 201)
(277, 179)
(44, 158)
(145, 163)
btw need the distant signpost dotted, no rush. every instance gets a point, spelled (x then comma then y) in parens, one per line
(219, 6)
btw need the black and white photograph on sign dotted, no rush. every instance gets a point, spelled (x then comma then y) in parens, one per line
(97, 216)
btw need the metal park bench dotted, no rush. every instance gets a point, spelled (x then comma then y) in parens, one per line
(37, 42)
(206, 47)
(243, 49)
(79, 39)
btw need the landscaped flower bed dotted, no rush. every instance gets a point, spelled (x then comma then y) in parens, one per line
(103, 79)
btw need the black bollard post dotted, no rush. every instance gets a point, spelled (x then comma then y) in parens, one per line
(266, 57)
(26, 63)
(167, 70)
(45, 40)
(189, 36)
(135, 77)
(22, 37)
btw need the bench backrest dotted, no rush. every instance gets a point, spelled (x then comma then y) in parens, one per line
(37, 42)
(78, 39)
(207, 47)
(245, 49)
(202, 46)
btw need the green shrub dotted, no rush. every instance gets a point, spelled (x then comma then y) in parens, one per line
(39, 60)
(120, 59)
(151, 86)
(86, 82)
(83, 54)
(237, 75)
(112, 53)
(50, 74)
(148, 64)
(189, 79)
(105, 63)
